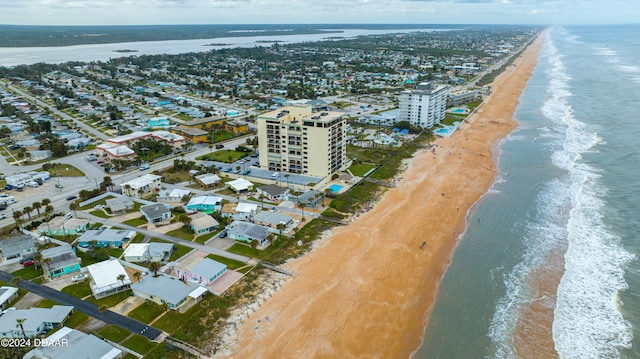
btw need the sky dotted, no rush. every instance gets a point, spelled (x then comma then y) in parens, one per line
(141, 12)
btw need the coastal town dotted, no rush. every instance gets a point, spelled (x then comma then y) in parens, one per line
(151, 203)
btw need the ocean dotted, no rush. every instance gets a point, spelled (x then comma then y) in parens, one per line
(548, 265)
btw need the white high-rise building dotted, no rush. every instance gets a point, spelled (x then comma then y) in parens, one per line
(425, 106)
(295, 139)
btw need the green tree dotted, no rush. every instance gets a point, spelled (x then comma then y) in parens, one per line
(155, 267)
(21, 326)
(254, 244)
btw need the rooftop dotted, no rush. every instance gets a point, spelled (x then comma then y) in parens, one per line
(78, 345)
(168, 288)
(142, 181)
(154, 210)
(105, 275)
(207, 268)
(34, 317)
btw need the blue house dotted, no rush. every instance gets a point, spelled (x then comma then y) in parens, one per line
(158, 122)
(63, 261)
(115, 238)
(205, 272)
(206, 204)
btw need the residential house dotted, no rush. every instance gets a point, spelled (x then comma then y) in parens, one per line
(206, 204)
(142, 185)
(35, 321)
(205, 272)
(105, 278)
(240, 185)
(106, 237)
(167, 290)
(247, 232)
(272, 219)
(76, 345)
(237, 126)
(148, 252)
(158, 122)
(174, 196)
(310, 198)
(18, 247)
(63, 261)
(60, 226)
(202, 223)
(7, 294)
(38, 155)
(156, 213)
(273, 193)
(207, 179)
(119, 205)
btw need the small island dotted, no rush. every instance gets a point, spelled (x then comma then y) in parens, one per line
(126, 50)
(217, 44)
(269, 41)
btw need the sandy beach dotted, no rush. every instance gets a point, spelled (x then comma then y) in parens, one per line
(368, 290)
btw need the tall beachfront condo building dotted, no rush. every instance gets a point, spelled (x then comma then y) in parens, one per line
(295, 139)
(425, 106)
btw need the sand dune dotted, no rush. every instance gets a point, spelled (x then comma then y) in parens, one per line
(368, 290)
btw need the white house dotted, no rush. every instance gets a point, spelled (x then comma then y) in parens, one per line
(105, 278)
(140, 186)
(240, 185)
(7, 294)
(148, 252)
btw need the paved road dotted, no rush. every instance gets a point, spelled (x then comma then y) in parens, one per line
(166, 237)
(91, 309)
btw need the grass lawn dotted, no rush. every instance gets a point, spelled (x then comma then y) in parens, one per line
(146, 312)
(68, 238)
(176, 177)
(138, 238)
(99, 213)
(222, 135)
(136, 221)
(227, 156)
(139, 344)
(172, 320)
(359, 194)
(231, 264)
(76, 319)
(111, 300)
(46, 303)
(361, 169)
(178, 252)
(181, 233)
(29, 272)
(246, 250)
(113, 332)
(80, 290)
(65, 170)
(206, 237)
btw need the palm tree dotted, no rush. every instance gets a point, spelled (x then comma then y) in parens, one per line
(185, 219)
(287, 177)
(48, 210)
(280, 226)
(37, 258)
(155, 267)
(108, 182)
(37, 205)
(262, 197)
(16, 215)
(27, 210)
(271, 237)
(74, 206)
(121, 278)
(140, 192)
(302, 205)
(254, 244)
(45, 202)
(137, 276)
(19, 325)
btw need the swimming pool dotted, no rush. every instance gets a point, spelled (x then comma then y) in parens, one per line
(458, 110)
(335, 188)
(445, 131)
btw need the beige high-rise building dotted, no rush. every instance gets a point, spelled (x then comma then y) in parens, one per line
(296, 140)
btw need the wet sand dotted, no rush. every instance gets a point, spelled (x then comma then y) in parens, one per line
(368, 290)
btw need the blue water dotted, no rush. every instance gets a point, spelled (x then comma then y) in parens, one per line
(568, 187)
(457, 110)
(335, 188)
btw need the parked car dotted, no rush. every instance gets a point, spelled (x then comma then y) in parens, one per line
(59, 185)
(71, 198)
(78, 277)
(69, 215)
(223, 234)
(28, 263)
(144, 167)
(8, 187)
(98, 206)
(219, 145)
(32, 184)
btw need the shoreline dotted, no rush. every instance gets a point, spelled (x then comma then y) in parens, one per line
(361, 291)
